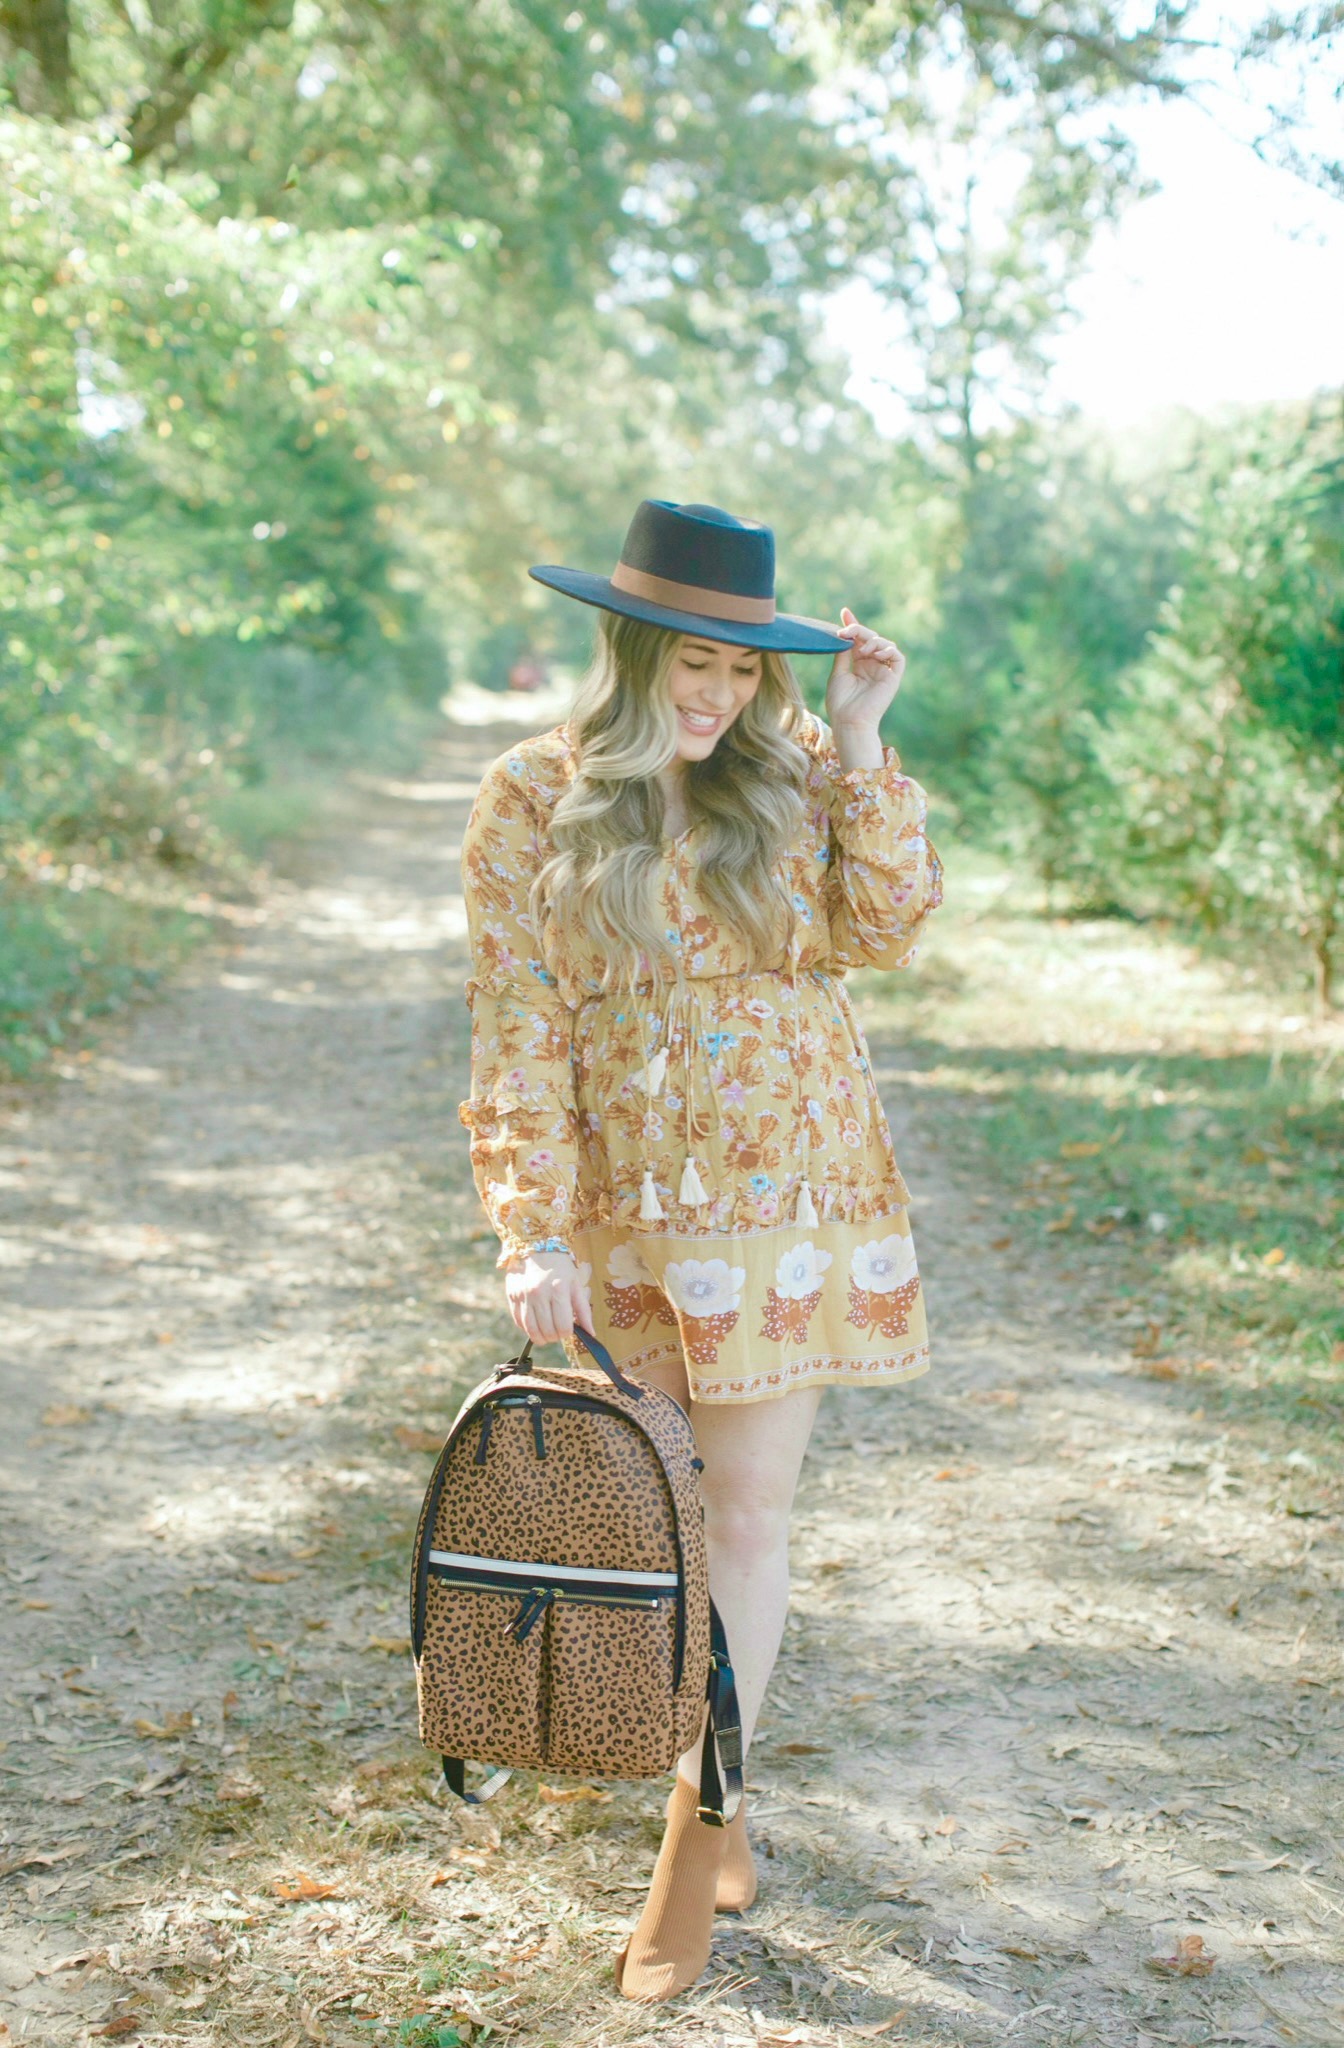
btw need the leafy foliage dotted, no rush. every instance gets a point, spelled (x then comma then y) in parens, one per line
(1227, 756)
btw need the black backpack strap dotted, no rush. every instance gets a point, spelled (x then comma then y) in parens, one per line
(589, 1343)
(455, 1775)
(607, 1363)
(720, 1798)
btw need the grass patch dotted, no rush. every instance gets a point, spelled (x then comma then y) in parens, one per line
(68, 955)
(1176, 1115)
(80, 938)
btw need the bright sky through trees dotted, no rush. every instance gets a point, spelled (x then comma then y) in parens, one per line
(1226, 285)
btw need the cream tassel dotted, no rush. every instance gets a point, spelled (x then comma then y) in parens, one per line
(692, 1193)
(650, 1208)
(804, 1209)
(655, 1071)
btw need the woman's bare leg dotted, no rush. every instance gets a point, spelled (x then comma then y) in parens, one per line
(753, 1453)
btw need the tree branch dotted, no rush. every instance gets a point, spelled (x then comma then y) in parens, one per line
(1120, 53)
(41, 29)
(190, 69)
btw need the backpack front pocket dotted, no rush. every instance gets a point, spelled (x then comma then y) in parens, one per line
(567, 1666)
(481, 1680)
(609, 1686)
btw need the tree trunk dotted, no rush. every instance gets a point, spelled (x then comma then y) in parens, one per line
(41, 30)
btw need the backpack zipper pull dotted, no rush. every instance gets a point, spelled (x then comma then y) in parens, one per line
(535, 1602)
(538, 1425)
(487, 1423)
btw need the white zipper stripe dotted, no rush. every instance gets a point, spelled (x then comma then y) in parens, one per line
(581, 1574)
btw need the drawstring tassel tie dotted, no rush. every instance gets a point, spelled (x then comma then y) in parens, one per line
(692, 1193)
(804, 1211)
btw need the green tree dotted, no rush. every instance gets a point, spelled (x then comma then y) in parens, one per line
(1227, 754)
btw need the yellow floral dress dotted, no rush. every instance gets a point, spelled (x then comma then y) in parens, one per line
(713, 1152)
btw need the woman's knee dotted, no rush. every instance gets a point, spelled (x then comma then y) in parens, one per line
(748, 1525)
(752, 1455)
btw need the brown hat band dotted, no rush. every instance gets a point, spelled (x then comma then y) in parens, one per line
(693, 597)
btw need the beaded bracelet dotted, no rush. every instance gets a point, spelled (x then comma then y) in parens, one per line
(549, 1244)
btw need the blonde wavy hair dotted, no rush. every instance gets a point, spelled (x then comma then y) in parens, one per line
(747, 796)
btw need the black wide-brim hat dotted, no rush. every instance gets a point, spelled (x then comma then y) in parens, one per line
(698, 569)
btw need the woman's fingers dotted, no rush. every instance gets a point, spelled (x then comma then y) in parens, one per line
(547, 1298)
(580, 1306)
(865, 643)
(522, 1310)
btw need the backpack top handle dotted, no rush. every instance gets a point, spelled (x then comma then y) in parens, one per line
(599, 1352)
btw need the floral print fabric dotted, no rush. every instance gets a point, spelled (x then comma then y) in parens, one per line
(762, 1079)
(753, 1319)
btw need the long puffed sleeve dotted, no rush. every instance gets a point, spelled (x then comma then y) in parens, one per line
(521, 1112)
(884, 878)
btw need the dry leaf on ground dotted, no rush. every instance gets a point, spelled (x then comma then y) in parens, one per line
(34, 1860)
(74, 1962)
(304, 1887)
(237, 1788)
(563, 1795)
(171, 1724)
(1191, 1959)
(65, 1415)
(158, 1781)
(390, 1646)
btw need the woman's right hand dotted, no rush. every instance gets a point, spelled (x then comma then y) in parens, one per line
(546, 1296)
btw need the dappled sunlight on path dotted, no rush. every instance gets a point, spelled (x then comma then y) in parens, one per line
(1054, 1695)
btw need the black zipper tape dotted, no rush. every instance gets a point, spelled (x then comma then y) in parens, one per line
(603, 1592)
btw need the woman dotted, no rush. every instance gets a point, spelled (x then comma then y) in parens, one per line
(674, 1125)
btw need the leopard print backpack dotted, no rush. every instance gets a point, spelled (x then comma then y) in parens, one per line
(560, 1609)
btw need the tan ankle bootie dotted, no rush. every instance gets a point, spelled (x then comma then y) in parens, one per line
(670, 1945)
(737, 1873)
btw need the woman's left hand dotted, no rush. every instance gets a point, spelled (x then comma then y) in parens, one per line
(864, 680)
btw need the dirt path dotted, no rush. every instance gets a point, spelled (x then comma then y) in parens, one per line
(1056, 1699)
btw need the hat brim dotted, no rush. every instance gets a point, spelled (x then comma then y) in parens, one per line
(786, 634)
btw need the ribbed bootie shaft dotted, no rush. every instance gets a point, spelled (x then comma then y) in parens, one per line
(670, 1945)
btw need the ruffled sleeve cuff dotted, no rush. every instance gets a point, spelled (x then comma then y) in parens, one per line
(859, 798)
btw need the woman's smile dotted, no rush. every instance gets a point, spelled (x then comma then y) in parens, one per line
(731, 675)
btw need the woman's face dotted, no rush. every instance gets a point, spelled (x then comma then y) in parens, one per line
(710, 682)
